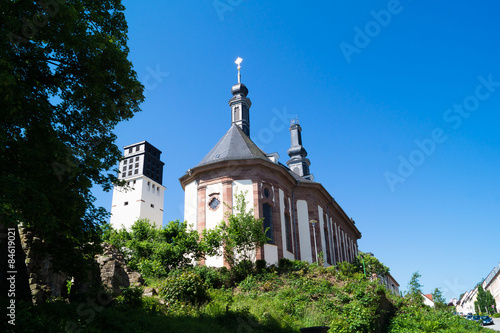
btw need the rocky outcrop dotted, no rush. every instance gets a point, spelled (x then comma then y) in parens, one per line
(114, 272)
(45, 282)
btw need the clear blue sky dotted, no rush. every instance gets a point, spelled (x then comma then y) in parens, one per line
(363, 100)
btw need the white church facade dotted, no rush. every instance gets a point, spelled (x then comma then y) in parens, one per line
(304, 220)
(143, 194)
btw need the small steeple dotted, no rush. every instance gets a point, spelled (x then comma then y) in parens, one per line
(240, 104)
(298, 162)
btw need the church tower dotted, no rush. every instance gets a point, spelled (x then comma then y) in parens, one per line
(298, 162)
(142, 196)
(240, 104)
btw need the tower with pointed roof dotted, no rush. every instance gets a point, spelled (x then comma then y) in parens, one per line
(287, 198)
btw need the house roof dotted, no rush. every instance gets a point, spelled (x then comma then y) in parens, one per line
(429, 296)
(234, 145)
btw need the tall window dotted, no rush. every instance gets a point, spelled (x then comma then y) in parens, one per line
(268, 221)
(288, 233)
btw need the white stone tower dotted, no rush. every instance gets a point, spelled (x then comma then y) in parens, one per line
(142, 197)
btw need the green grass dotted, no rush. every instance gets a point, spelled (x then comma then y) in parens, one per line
(274, 299)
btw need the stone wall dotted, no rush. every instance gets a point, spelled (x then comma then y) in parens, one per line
(45, 282)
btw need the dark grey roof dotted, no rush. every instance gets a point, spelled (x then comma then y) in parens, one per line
(234, 145)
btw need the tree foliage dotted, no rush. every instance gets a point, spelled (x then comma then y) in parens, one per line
(65, 82)
(485, 303)
(438, 299)
(414, 292)
(155, 251)
(242, 233)
(367, 262)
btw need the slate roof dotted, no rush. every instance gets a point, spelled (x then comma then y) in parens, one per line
(234, 145)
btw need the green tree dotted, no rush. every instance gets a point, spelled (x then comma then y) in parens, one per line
(65, 82)
(485, 303)
(154, 251)
(366, 262)
(414, 293)
(438, 299)
(242, 233)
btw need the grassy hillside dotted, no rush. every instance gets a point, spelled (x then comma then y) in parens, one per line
(280, 298)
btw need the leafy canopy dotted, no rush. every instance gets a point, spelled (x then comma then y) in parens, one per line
(242, 233)
(414, 292)
(65, 83)
(155, 251)
(485, 303)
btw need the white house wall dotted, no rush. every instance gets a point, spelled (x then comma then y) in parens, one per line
(245, 186)
(152, 200)
(191, 204)
(213, 218)
(305, 235)
(271, 254)
(137, 202)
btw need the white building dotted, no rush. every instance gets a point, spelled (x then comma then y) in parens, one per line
(142, 197)
(492, 284)
(427, 299)
(304, 220)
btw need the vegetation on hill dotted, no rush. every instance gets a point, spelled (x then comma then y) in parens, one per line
(249, 297)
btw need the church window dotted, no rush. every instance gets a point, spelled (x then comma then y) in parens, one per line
(288, 234)
(268, 221)
(124, 174)
(266, 193)
(152, 205)
(137, 165)
(124, 161)
(137, 148)
(136, 171)
(137, 158)
(130, 173)
(153, 186)
(125, 203)
(124, 168)
(134, 181)
(130, 166)
(130, 150)
(214, 203)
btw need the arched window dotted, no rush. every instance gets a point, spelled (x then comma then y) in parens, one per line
(268, 221)
(288, 233)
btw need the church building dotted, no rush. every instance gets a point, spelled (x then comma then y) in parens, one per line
(304, 220)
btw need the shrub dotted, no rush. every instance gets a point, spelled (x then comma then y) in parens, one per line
(260, 265)
(130, 297)
(184, 287)
(241, 270)
(213, 277)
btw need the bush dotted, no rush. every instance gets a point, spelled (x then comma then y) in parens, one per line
(241, 270)
(496, 315)
(214, 277)
(184, 287)
(260, 266)
(131, 297)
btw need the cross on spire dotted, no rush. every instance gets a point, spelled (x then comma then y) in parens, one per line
(238, 62)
